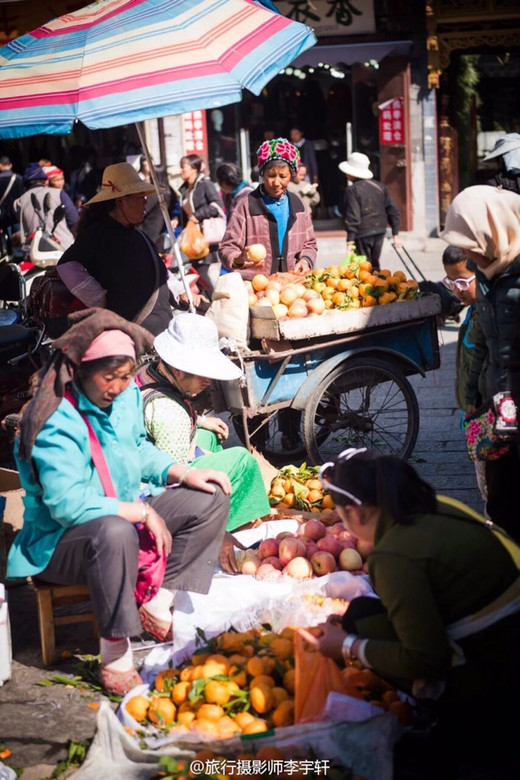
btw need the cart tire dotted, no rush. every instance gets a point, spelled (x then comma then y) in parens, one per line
(268, 439)
(361, 403)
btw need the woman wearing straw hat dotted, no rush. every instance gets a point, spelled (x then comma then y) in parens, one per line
(112, 263)
(368, 208)
(95, 487)
(189, 360)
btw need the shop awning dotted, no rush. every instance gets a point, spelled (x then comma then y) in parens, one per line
(350, 53)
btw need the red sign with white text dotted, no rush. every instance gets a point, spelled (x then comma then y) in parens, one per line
(195, 133)
(391, 122)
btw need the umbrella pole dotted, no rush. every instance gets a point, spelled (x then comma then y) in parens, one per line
(166, 216)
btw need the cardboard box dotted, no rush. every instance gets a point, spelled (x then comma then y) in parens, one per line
(12, 492)
(11, 513)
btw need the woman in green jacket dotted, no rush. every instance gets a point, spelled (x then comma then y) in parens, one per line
(446, 626)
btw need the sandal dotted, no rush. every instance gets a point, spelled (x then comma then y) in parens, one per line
(160, 629)
(119, 683)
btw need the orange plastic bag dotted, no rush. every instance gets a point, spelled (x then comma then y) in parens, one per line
(316, 676)
(193, 243)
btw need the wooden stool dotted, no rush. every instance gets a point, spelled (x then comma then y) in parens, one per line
(48, 598)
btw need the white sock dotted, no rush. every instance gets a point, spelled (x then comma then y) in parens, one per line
(116, 654)
(160, 605)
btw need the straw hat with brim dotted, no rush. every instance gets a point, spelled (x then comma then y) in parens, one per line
(357, 165)
(506, 143)
(119, 180)
(190, 344)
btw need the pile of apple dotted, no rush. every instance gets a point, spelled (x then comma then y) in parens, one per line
(313, 551)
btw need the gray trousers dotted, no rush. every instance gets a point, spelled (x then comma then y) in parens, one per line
(103, 553)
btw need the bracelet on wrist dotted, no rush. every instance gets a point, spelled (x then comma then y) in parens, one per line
(181, 478)
(145, 509)
(346, 647)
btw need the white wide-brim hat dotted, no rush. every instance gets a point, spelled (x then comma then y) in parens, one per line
(119, 180)
(506, 143)
(190, 344)
(357, 165)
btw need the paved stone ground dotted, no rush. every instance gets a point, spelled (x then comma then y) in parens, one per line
(37, 723)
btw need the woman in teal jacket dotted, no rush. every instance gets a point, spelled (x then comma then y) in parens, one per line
(78, 530)
(446, 626)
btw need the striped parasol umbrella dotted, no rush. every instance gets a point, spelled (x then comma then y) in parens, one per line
(120, 61)
(115, 62)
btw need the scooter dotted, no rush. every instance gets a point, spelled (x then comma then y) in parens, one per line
(23, 349)
(41, 249)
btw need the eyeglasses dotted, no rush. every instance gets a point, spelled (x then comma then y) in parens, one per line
(345, 455)
(459, 284)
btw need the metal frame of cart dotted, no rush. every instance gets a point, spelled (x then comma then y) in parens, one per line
(344, 373)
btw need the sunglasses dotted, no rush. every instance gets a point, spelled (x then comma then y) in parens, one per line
(345, 455)
(459, 284)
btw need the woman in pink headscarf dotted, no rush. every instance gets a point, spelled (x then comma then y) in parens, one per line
(86, 514)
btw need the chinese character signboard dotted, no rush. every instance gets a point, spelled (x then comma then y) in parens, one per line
(391, 123)
(331, 17)
(195, 133)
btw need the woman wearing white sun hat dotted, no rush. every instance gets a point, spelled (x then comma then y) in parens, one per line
(368, 208)
(189, 360)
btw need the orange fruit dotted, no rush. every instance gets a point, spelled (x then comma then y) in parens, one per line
(269, 753)
(164, 678)
(243, 718)
(226, 726)
(179, 692)
(327, 502)
(282, 647)
(255, 666)
(211, 712)
(289, 499)
(137, 707)
(289, 680)
(315, 495)
(279, 695)
(355, 304)
(339, 298)
(365, 264)
(384, 272)
(215, 664)
(262, 679)
(262, 698)
(332, 282)
(199, 657)
(369, 300)
(238, 675)
(344, 284)
(185, 714)
(256, 726)
(162, 711)
(284, 713)
(353, 292)
(205, 726)
(216, 692)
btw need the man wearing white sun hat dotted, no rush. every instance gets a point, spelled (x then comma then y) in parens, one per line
(368, 208)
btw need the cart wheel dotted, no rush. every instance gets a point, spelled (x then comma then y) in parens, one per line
(266, 437)
(361, 404)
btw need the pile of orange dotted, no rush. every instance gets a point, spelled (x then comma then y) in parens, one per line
(243, 684)
(356, 285)
(299, 488)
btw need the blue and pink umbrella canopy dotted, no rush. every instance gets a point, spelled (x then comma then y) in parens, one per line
(120, 61)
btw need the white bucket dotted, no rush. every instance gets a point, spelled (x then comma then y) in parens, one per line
(5, 638)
